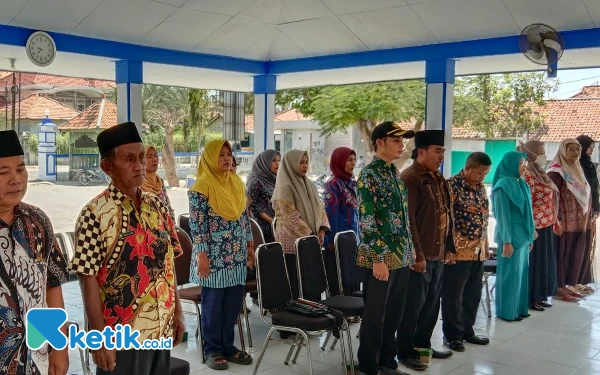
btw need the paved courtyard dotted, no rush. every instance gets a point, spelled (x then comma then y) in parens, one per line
(560, 341)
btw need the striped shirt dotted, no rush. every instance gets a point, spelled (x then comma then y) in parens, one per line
(224, 241)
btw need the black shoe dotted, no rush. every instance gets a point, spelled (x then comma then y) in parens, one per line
(537, 307)
(477, 340)
(414, 364)
(525, 315)
(441, 354)
(545, 304)
(455, 345)
(383, 370)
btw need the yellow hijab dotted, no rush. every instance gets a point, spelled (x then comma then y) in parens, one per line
(224, 190)
(153, 182)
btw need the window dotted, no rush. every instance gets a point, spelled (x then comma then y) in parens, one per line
(80, 104)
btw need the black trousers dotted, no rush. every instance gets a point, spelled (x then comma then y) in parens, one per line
(384, 303)
(422, 310)
(140, 362)
(461, 294)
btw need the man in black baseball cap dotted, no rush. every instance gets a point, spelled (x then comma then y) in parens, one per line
(385, 252)
(390, 129)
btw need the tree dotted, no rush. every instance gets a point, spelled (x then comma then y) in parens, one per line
(504, 105)
(166, 108)
(336, 108)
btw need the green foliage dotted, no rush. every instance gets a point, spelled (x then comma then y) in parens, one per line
(156, 139)
(501, 105)
(299, 99)
(62, 143)
(33, 143)
(210, 137)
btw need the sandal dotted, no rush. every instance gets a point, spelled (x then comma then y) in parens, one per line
(537, 307)
(216, 361)
(584, 289)
(567, 298)
(240, 358)
(573, 292)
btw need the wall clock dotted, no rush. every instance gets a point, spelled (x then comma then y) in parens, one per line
(41, 48)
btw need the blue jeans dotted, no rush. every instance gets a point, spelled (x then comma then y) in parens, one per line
(220, 310)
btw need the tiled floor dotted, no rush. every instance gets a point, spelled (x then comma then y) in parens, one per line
(564, 339)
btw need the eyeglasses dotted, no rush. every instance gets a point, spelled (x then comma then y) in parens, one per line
(574, 150)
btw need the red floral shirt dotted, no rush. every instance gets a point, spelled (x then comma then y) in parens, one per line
(544, 212)
(132, 255)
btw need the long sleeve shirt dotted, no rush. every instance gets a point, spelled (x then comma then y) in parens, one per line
(383, 217)
(341, 205)
(224, 241)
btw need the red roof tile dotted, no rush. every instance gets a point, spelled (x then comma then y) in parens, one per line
(291, 115)
(45, 79)
(592, 91)
(34, 107)
(569, 118)
(88, 119)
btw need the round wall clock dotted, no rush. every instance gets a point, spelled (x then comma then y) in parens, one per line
(41, 48)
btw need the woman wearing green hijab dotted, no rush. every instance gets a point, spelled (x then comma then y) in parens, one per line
(515, 233)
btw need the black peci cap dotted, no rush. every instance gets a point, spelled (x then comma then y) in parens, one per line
(390, 129)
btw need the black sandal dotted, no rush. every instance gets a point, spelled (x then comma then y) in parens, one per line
(243, 358)
(211, 361)
(536, 307)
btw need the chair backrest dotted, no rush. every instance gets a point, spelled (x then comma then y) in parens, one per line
(311, 269)
(184, 223)
(273, 223)
(349, 274)
(257, 233)
(67, 248)
(183, 262)
(271, 274)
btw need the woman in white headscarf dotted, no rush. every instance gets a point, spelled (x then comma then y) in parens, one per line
(299, 210)
(573, 216)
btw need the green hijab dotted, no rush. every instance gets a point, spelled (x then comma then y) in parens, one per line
(508, 179)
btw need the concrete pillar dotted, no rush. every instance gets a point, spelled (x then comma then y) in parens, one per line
(47, 150)
(264, 112)
(129, 79)
(439, 106)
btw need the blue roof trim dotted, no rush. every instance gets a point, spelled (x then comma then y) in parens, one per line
(17, 36)
(129, 71)
(265, 84)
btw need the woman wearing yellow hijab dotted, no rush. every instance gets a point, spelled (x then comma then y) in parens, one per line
(154, 183)
(223, 248)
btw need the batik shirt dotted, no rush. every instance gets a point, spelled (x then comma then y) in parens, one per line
(131, 253)
(260, 194)
(471, 215)
(30, 262)
(224, 241)
(383, 217)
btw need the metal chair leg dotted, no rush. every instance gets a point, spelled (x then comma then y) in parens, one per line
(333, 344)
(241, 332)
(245, 306)
(342, 335)
(349, 338)
(310, 369)
(292, 347)
(199, 339)
(298, 351)
(488, 297)
(326, 341)
(263, 350)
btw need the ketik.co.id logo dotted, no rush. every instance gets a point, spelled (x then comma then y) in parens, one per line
(43, 325)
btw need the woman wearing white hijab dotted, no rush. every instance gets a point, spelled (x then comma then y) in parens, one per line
(573, 215)
(298, 209)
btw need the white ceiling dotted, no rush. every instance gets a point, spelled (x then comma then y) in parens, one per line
(284, 29)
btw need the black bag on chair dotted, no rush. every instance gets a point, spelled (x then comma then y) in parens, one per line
(312, 309)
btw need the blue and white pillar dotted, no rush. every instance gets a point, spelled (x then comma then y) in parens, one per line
(129, 78)
(265, 88)
(47, 150)
(439, 106)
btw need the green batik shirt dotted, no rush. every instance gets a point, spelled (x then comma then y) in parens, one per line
(383, 217)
